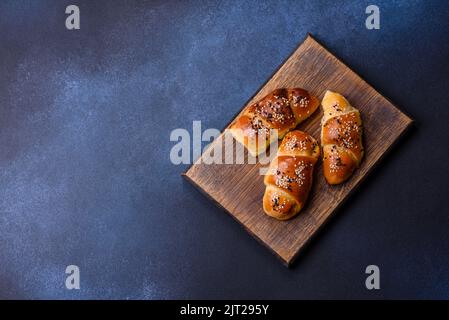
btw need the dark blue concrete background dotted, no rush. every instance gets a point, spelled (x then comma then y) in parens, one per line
(85, 176)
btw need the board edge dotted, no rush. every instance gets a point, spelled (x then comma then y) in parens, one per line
(284, 260)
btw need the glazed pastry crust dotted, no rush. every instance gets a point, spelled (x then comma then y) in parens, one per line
(290, 175)
(341, 138)
(281, 110)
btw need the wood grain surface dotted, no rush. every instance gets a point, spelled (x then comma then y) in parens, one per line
(239, 188)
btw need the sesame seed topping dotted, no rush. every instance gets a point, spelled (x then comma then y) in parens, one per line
(275, 111)
(259, 128)
(335, 162)
(347, 132)
(276, 203)
(301, 101)
(285, 181)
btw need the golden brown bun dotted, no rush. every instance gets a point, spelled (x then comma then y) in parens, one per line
(281, 110)
(341, 138)
(290, 175)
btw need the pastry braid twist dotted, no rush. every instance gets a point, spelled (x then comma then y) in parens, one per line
(290, 175)
(282, 110)
(341, 138)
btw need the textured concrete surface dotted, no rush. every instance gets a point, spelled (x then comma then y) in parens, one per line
(85, 176)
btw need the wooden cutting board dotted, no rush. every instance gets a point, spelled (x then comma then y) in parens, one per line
(239, 188)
